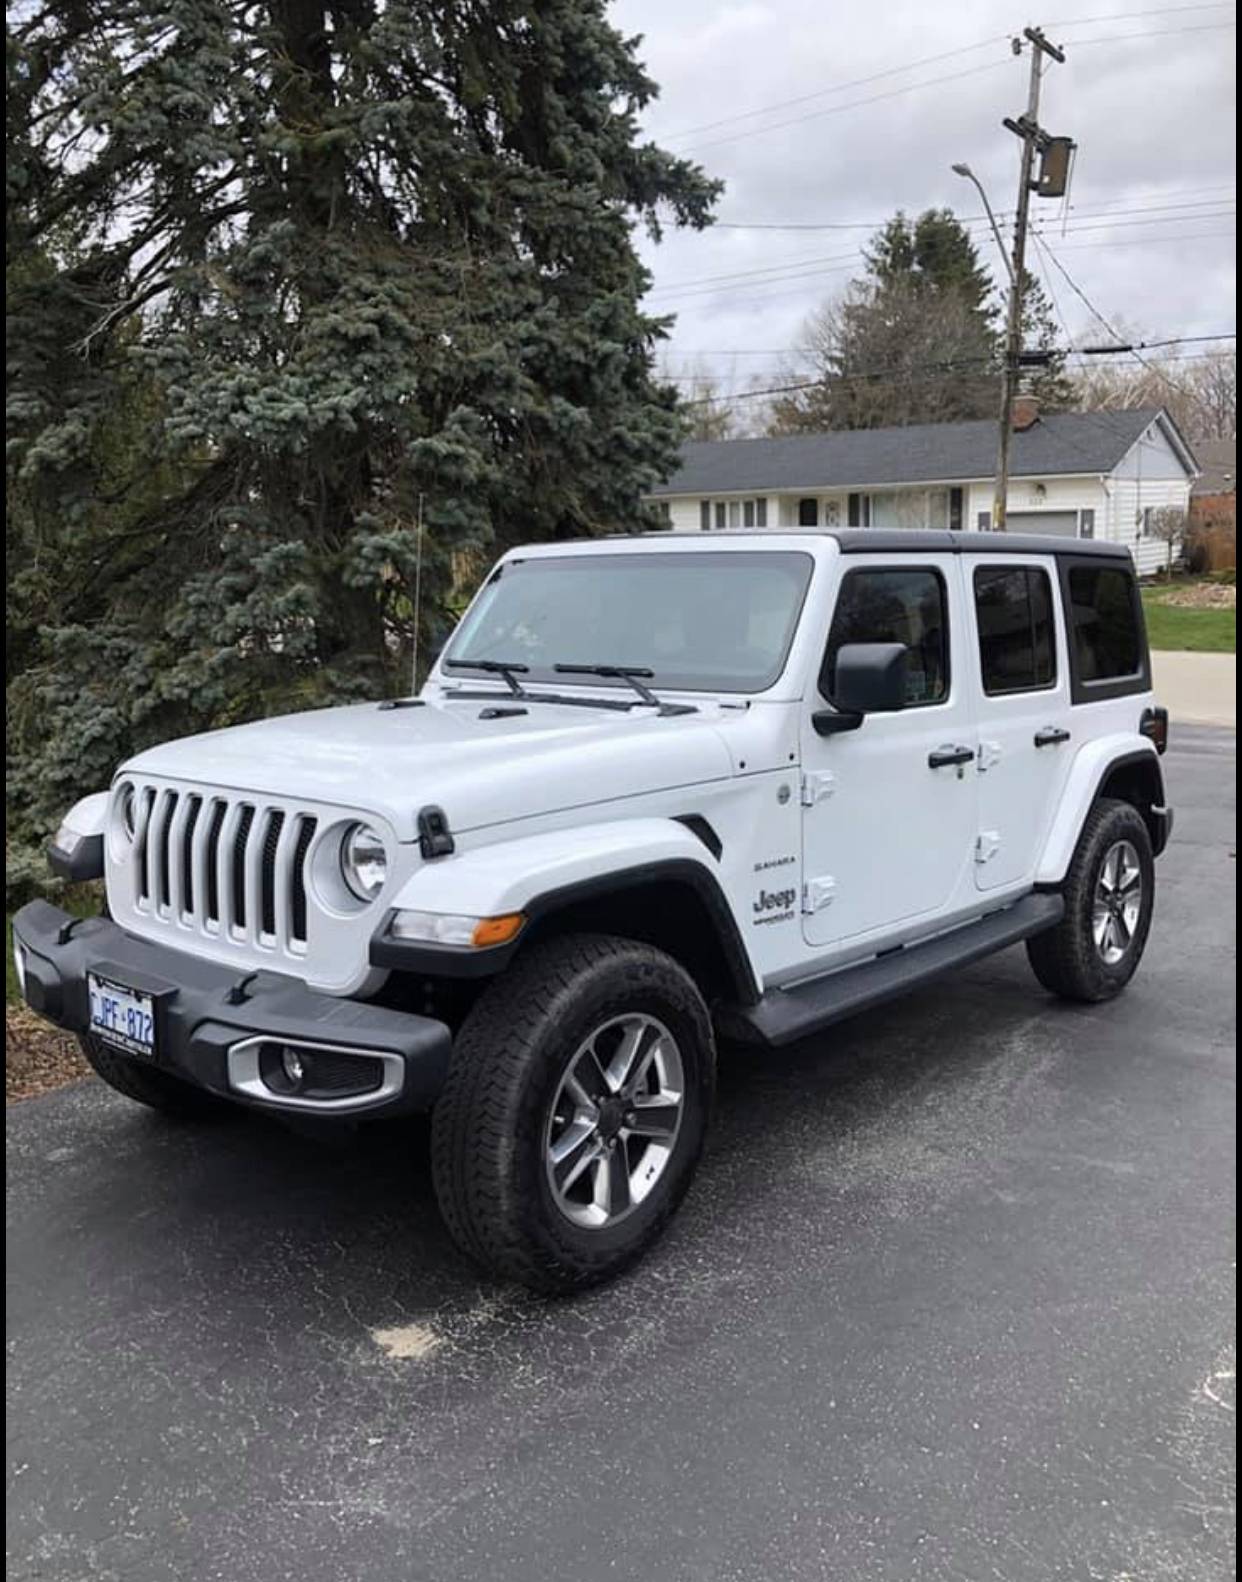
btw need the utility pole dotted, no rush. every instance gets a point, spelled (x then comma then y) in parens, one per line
(1032, 139)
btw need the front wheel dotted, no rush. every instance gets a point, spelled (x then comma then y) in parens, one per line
(574, 1111)
(1109, 892)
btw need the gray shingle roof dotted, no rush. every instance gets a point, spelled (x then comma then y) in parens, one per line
(1062, 442)
(1219, 460)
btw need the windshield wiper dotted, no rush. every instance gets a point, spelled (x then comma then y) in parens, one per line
(635, 675)
(509, 669)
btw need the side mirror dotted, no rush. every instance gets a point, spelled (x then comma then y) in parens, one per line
(870, 678)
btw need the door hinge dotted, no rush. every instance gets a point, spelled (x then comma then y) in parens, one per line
(987, 845)
(817, 894)
(817, 786)
(989, 754)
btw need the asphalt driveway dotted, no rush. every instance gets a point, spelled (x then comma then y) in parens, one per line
(953, 1298)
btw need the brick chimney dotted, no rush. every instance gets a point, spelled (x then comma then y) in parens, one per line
(1025, 413)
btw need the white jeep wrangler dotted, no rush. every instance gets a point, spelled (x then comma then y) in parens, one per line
(656, 789)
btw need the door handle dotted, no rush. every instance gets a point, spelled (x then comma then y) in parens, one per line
(1051, 736)
(949, 757)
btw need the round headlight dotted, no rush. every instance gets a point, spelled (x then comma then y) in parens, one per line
(127, 807)
(364, 861)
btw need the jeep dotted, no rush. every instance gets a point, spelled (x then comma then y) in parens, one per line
(657, 790)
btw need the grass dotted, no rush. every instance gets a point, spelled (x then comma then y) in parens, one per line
(1182, 628)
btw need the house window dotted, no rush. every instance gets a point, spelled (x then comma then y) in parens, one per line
(808, 513)
(895, 606)
(984, 520)
(955, 510)
(1013, 612)
(1145, 519)
(858, 510)
(665, 511)
(1086, 524)
(715, 515)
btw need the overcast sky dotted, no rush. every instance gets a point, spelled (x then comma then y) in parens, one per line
(1147, 92)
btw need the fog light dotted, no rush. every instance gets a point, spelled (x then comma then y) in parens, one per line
(293, 1066)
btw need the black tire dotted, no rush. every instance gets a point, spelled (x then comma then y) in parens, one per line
(156, 1089)
(491, 1126)
(1066, 959)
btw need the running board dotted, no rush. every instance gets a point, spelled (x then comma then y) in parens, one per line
(784, 1015)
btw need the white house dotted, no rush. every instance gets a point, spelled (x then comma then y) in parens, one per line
(1082, 474)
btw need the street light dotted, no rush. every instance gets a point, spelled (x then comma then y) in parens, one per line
(1000, 498)
(968, 173)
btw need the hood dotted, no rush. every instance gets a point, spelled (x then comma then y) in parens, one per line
(394, 761)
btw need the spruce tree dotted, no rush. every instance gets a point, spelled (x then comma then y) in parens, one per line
(308, 294)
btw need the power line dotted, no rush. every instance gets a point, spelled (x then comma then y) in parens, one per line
(841, 87)
(932, 82)
(1161, 32)
(854, 104)
(1096, 223)
(904, 377)
(721, 285)
(973, 219)
(1095, 313)
(1130, 16)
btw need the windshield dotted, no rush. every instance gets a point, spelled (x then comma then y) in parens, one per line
(700, 621)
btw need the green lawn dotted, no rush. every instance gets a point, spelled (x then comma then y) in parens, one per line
(1171, 626)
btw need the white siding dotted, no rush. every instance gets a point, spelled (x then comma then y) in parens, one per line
(1029, 495)
(1130, 499)
(683, 514)
(1150, 477)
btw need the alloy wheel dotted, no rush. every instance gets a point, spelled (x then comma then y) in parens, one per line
(1118, 902)
(614, 1120)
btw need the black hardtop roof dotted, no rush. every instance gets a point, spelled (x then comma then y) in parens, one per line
(917, 541)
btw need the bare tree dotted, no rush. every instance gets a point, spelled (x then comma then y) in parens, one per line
(1169, 524)
(1200, 393)
(707, 412)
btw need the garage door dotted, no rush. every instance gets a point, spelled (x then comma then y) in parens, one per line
(1062, 524)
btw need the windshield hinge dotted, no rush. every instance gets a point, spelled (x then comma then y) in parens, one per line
(435, 838)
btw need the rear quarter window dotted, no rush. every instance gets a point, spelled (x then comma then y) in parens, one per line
(1108, 645)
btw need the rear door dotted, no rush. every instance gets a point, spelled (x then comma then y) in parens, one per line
(1025, 742)
(889, 817)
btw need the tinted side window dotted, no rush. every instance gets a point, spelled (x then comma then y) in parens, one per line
(1013, 610)
(892, 606)
(1104, 623)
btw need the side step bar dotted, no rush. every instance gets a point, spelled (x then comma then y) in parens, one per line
(784, 1015)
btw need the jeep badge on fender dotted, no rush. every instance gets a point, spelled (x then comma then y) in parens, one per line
(529, 900)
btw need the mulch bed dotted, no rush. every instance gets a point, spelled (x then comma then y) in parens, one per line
(37, 1058)
(1203, 596)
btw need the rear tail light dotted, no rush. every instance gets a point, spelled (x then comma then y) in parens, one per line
(1155, 726)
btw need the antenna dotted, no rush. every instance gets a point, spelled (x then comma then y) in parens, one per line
(418, 580)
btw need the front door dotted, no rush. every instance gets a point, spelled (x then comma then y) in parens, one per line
(889, 809)
(1025, 745)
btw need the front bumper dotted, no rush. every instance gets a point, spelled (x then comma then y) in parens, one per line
(215, 1026)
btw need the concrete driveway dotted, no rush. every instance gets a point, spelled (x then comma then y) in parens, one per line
(952, 1299)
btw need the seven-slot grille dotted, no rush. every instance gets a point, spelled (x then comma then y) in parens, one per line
(233, 867)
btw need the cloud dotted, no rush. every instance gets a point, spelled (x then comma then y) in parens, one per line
(1153, 116)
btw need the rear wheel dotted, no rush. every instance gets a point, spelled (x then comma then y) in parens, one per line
(1109, 891)
(574, 1111)
(145, 1085)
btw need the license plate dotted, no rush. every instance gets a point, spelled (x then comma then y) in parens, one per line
(122, 1016)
